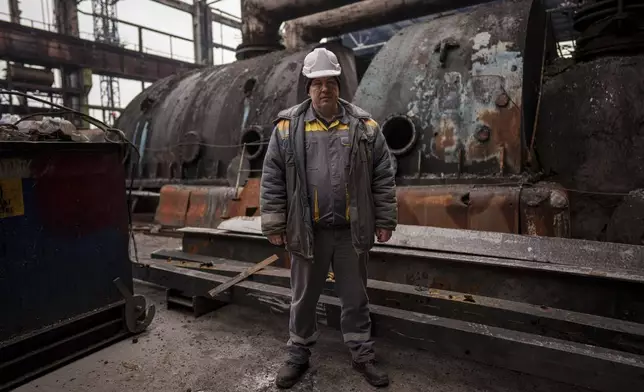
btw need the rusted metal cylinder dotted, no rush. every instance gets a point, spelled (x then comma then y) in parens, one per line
(363, 15)
(454, 95)
(590, 138)
(191, 126)
(261, 20)
(35, 76)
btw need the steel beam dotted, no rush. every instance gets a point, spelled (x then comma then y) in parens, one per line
(600, 291)
(219, 17)
(546, 250)
(27, 358)
(21, 109)
(34, 46)
(556, 323)
(214, 15)
(202, 33)
(573, 363)
(176, 4)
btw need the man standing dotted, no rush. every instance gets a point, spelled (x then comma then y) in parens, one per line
(327, 188)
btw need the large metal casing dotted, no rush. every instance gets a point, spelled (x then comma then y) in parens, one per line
(216, 107)
(591, 138)
(460, 82)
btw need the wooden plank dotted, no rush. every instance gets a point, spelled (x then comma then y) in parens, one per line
(592, 367)
(541, 320)
(251, 270)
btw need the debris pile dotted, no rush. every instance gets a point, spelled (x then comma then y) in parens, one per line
(47, 129)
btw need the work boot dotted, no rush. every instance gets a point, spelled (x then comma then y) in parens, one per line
(289, 374)
(374, 376)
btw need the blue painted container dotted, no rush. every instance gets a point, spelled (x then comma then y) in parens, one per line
(63, 240)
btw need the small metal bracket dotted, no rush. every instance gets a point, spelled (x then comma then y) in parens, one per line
(137, 319)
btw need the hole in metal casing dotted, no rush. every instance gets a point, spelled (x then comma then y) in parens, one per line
(253, 139)
(400, 134)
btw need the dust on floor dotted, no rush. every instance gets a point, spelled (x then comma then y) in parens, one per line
(236, 349)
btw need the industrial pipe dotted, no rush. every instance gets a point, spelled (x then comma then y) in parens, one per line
(289, 9)
(262, 20)
(363, 15)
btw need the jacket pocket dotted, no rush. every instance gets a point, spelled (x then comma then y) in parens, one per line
(312, 155)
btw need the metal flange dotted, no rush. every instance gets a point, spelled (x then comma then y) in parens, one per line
(137, 318)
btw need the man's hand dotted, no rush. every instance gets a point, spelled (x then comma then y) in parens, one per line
(277, 239)
(383, 235)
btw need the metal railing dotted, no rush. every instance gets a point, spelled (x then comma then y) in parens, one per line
(138, 46)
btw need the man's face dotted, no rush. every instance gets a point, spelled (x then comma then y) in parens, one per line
(324, 93)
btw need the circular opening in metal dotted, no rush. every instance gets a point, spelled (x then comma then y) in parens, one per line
(252, 138)
(400, 134)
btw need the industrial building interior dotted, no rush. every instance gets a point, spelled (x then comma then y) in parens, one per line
(132, 142)
(70, 76)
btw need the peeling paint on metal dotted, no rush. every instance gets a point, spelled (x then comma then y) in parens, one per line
(481, 40)
(448, 75)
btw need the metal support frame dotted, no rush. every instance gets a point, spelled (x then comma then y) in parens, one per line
(14, 14)
(22, 43)
(215, 15)
(519, 302)
(551, 322)
(33, 355)
(202, 18)
(106, 30)
(202, 33)
(73, 92)
(593, 367)
(604, 291)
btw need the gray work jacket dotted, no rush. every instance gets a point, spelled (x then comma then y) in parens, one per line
(284, 202)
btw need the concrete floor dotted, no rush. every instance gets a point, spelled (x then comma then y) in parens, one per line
(237, 349)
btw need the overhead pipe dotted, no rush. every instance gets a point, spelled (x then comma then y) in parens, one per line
(261, 20)
(363, 15)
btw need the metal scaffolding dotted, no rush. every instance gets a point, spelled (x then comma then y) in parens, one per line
(106, 31)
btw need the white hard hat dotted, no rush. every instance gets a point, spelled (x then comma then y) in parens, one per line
(321, 63)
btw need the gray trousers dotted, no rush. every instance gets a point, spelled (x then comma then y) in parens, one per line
(332, 247)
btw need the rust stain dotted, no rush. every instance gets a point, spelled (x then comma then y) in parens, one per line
(495, 209)
(505, 126)
(460, 207)
(443, 138)
(435, 206)
(206, 206)
(248, 200)
(173, 206)
(545, 211)
(197, 247)
(533, 211)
